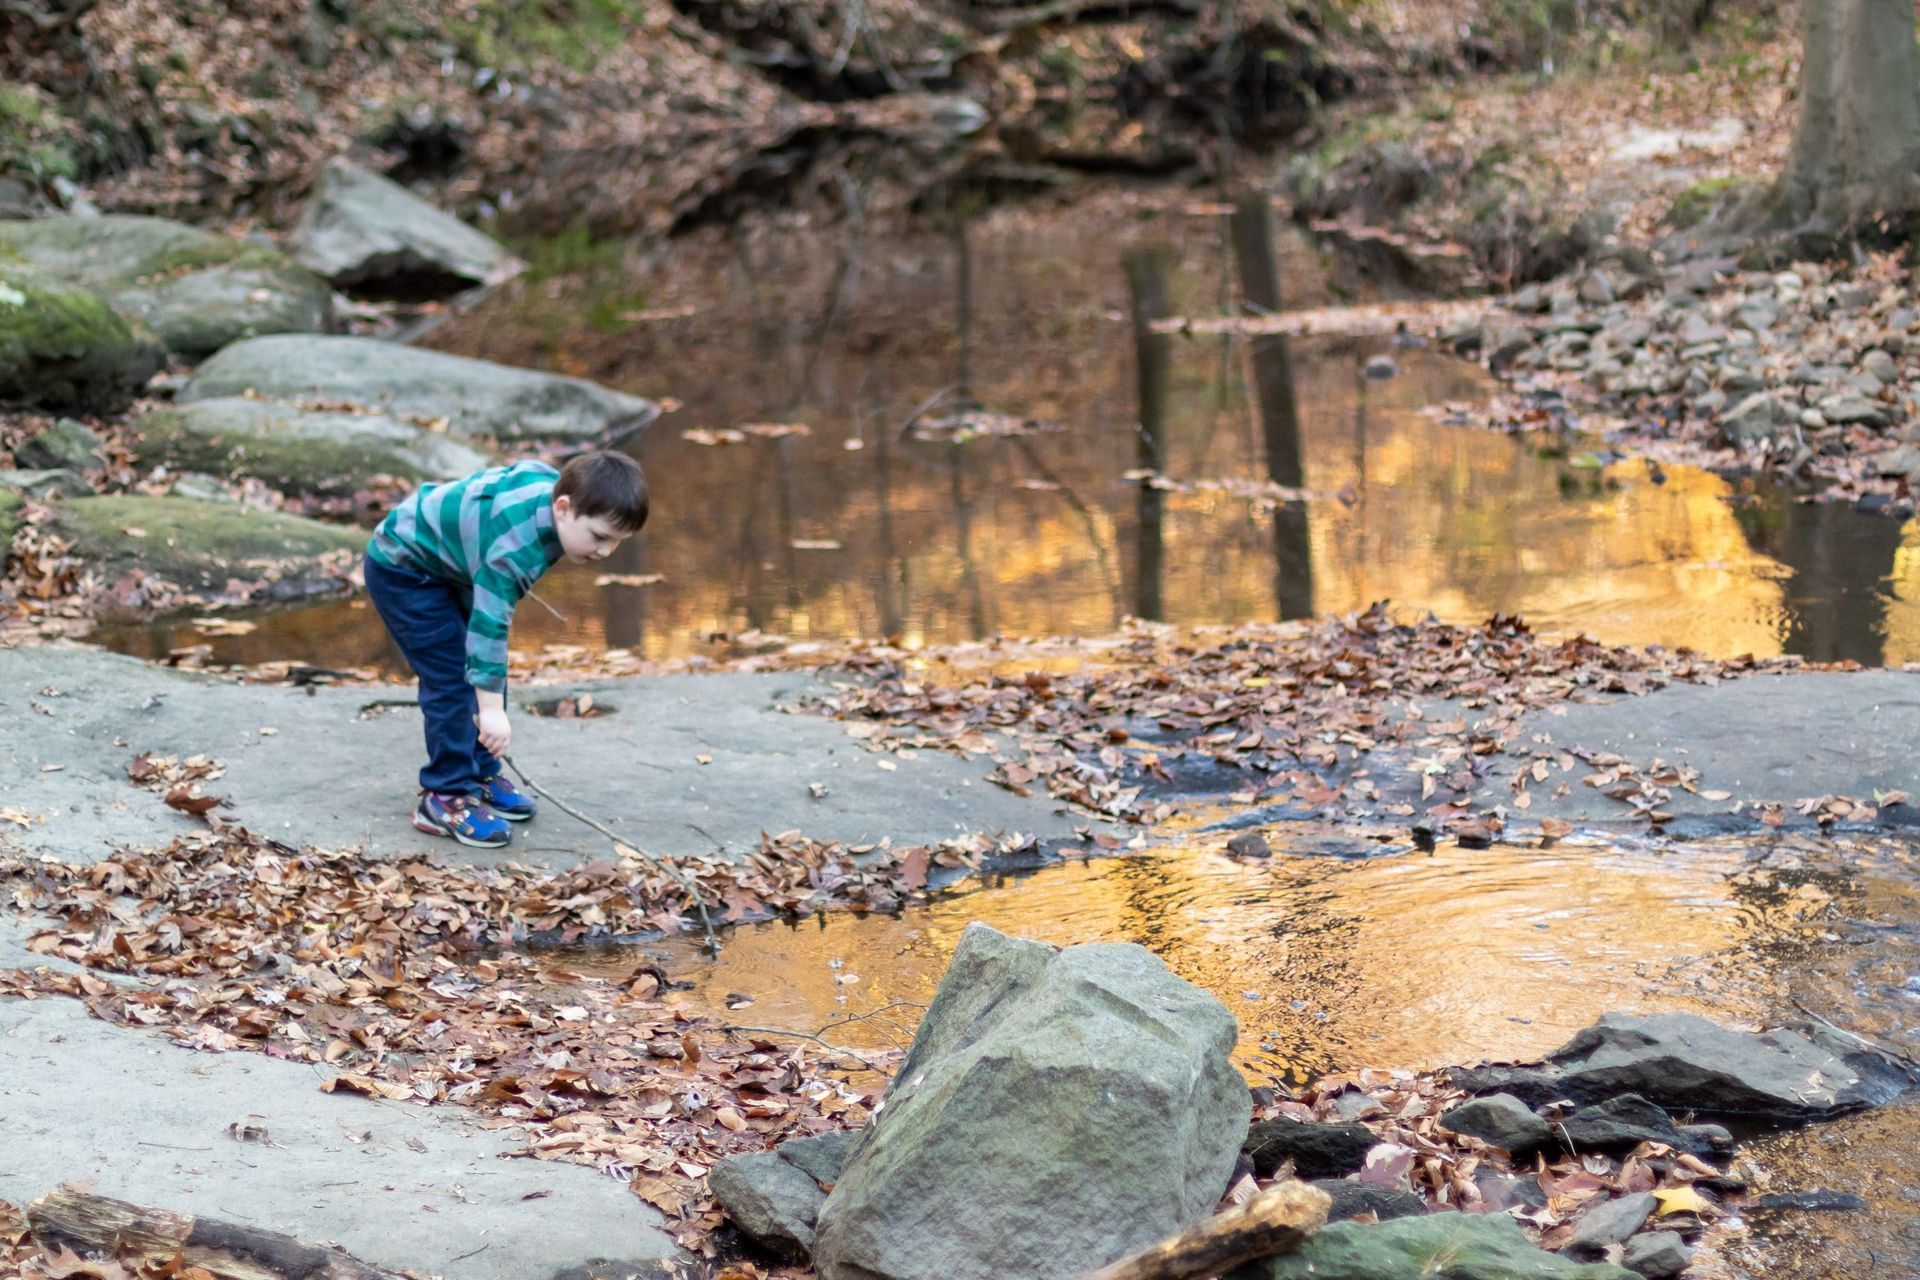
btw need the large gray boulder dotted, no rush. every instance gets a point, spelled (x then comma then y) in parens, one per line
(195, 290)
(367, 233)
(1435, 1246)
(64, 347)
(300, 450)
(1073, 1105)
(476, 398)
(203, 546)
(1684, 1063)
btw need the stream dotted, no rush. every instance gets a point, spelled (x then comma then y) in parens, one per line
(842, 520)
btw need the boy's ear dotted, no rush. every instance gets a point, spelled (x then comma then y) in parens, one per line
(563, 505)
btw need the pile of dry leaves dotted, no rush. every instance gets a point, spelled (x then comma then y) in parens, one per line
(1335, 717)
(400, 977)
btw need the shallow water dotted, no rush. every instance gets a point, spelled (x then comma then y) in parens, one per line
(1333, 957)
(857, 528)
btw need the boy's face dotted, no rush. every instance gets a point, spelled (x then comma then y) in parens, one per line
(585, 538)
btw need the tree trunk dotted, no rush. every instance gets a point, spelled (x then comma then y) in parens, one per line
(1277, 1220)
(1856, 152)
(130, 1232)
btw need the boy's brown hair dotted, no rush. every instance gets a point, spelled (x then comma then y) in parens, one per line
(608, 485)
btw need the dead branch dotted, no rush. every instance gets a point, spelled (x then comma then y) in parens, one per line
(1278, 1220)
(96, 1224)
(625, 846)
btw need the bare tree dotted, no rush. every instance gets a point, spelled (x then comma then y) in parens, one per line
(1856, 152)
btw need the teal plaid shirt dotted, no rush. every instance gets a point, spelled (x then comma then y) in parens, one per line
(491, 532)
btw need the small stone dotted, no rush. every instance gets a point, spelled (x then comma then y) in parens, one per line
(1757, 417)
(1249, 844)
(1597, 288)
(1610, 1222)
(1853, 297)
(1633, 333)
(1866, 384)
(1903, 461)
(43, 484)
(67, 445)
(773, 1202)
(1504, 1191)
(1500, 1119)
(1710, 403)
(196, 484)
(1812, 419)
(1697, 382)
(1707, 1137)
(1757, 314)
(1317, 1150)
(1902, 319)
(1880, 365)
(1380, 368)
(1789, 281)
(1852, 407)
(1657, 1255)
(1617, 1123)
(1697, 330)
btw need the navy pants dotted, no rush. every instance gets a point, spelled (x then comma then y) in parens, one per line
(427, 617)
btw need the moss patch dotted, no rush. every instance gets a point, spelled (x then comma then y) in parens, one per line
(64, 347)
(197, 544)
(1707, 198)
(9, 519)
(576, 33)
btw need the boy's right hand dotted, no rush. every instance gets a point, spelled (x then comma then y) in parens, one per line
(496, 735)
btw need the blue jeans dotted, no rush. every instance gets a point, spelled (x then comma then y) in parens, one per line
(427, 617)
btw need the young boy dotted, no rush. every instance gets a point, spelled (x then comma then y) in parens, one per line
(445, 570)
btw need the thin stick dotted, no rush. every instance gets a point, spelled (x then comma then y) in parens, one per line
(673, 873)
(802, 1035)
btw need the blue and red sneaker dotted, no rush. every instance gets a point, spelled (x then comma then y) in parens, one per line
(506, 799)
(464, 818)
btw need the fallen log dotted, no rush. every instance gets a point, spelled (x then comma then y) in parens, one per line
(1277, 1220)
(88, 1223)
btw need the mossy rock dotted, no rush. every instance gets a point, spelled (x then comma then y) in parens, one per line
(1434, 1246)
(476, 398)
(199, 545)
(196, 290)
(300, 450)
(1706, 200)
(10, 500)
(63, 347)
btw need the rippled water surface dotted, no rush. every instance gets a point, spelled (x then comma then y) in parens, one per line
(1337, 957)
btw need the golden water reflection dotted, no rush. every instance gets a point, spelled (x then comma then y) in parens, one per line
(859, 529)
(1410, 960)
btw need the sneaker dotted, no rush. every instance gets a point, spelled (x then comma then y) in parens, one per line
(505, 799)
(462, 817)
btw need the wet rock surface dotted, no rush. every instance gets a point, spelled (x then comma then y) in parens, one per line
(197, 291)
(1316, 1150)
(300, 450)
(204, 545)
(1501, 1119)
(1457, 1246)
(474, 398)
(1074, 1103)
(372, 235)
